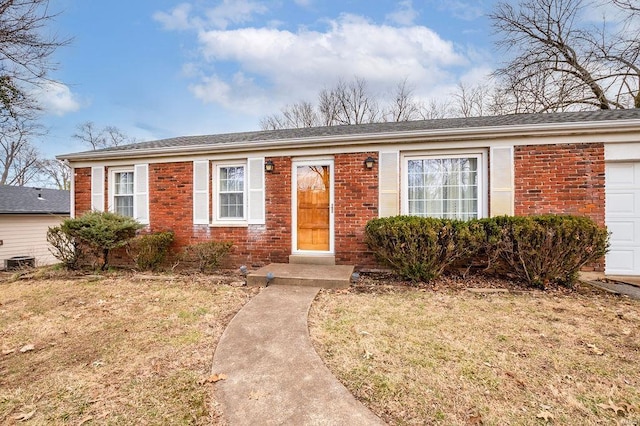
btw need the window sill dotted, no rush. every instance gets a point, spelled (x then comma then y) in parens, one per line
(229, 225)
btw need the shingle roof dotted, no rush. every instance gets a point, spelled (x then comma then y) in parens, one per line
(25, 200)
(370, 129)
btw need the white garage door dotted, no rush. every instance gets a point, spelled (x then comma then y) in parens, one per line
(623, 218)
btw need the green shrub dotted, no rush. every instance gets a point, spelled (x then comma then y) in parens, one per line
(545, 249)
(64, 247)
(148, 251)
(420, 249)
(539, 250)
(101, 232)
(207, 255)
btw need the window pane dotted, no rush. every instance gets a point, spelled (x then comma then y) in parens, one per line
(123, 183)
(443, 187)
(231, 192)
(124, 205)
(123, 193)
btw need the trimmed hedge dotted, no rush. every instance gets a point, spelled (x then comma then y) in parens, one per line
(420, 248)
(546, 249)
(539, 250)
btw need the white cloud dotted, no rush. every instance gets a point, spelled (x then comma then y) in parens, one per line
(212, 90)
(234, 12)
(177, 19)
(404, 15)
(221, 16)
(252, 70)
(56, 98)
(301, 63)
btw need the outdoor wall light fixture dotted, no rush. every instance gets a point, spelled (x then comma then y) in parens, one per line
(268, 166)
(369, 162)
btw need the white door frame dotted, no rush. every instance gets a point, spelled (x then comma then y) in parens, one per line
(294, 204)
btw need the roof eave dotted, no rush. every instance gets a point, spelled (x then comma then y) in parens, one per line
(467, 134)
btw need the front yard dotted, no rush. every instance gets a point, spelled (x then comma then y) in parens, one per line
(456, 357)
(129, 349)
(114, 350)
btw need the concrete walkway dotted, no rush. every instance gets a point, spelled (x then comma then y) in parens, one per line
(617, 284)
(274, 375)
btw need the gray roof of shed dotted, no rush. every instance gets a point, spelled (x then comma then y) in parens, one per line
(334, 132)
(26, 200)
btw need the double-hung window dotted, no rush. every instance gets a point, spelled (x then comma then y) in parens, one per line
(123, 192)
(230, 187)
(444, 186)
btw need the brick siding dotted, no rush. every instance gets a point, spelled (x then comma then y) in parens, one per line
(171, 208)
(356, 202)
(82, 190)
(560, 179)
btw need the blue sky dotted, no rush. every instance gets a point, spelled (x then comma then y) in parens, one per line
(160, 68)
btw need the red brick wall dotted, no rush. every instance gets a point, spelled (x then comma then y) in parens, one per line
(563, 178)
(171, 208)
(82, 190)
(356, 202)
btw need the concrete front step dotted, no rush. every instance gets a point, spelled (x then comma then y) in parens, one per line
(299, 274)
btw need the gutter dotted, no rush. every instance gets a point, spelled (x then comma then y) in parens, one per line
(459, 134)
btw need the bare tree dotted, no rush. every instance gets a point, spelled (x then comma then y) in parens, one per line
(25, 166)
(558, 65)
(471, 100)
(631, 5)
(299, 115)
(55, 172)
(355, 104)
(115, 137)
(25, 51)
(434, 109)
(404, 106)
(108, 136)
(345, 103)
(18, 157)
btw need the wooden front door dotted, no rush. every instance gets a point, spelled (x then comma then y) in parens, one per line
(313, 211)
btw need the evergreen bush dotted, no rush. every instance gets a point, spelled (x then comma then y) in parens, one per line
(101, 232)
(420, 248)
(545, 249)
(539, 250)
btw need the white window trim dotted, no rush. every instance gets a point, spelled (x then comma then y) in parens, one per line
(216, 219)
(112, 186)
(483, 172)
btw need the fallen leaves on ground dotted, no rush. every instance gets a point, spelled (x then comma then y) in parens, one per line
(213, 378)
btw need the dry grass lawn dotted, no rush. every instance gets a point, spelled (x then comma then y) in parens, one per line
(130, 350)
(112, 350)
(452, 357)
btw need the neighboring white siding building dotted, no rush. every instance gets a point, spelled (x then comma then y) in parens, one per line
(25, 216)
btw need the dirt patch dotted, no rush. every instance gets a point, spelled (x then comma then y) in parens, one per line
(112, 349)
(439, 354)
